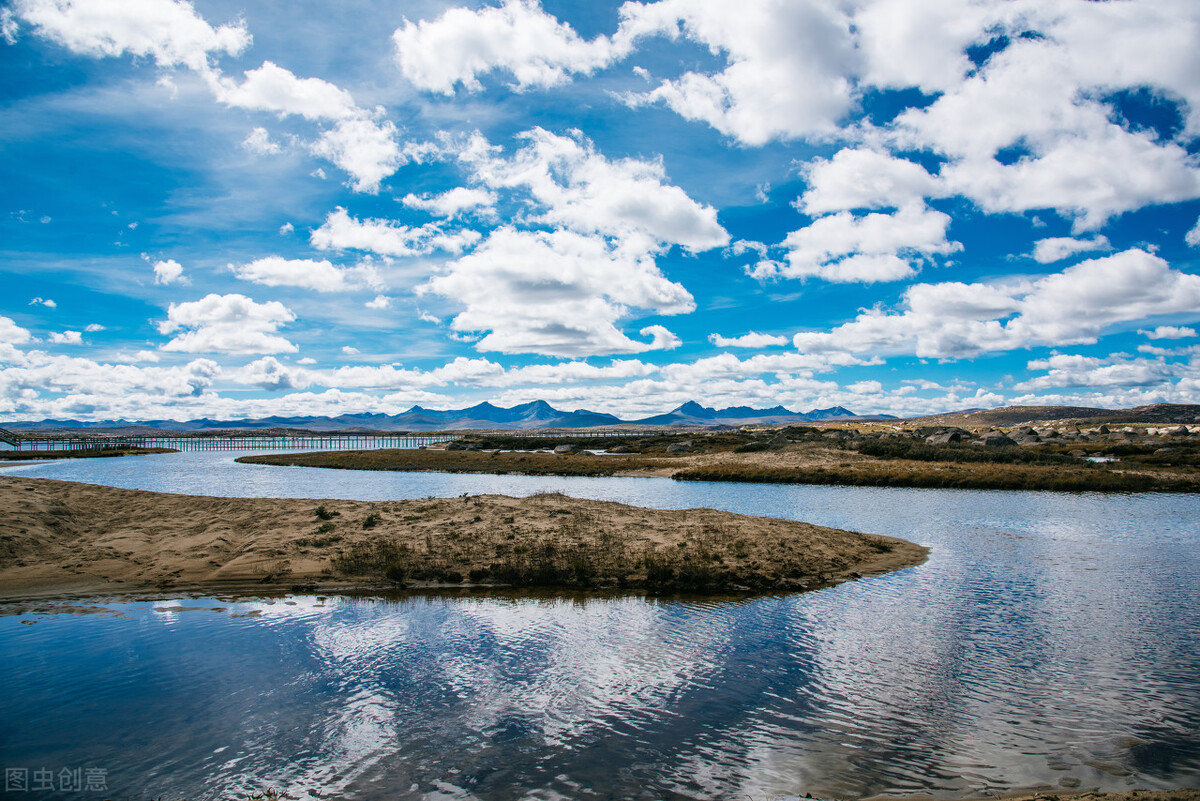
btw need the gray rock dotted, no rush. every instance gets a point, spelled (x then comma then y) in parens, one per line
(565, 448)
(998, 440)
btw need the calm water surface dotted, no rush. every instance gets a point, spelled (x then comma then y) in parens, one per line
(1049, 640)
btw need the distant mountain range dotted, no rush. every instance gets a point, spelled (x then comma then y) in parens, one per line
(533, 415)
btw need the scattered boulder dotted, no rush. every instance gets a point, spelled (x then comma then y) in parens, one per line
(994, 439)
(680, 447)
(1025, 436)
(1181, 431)
(565, 448)
(622, 449)
(944, 438)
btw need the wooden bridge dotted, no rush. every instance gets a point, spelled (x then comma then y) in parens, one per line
(252, 441)
(241, 442)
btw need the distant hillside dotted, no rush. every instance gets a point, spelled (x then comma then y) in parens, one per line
(1017, 415)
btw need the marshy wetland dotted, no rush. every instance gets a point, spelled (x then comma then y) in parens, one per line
(1062, 457)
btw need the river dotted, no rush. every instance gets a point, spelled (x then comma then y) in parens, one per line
(1050, 640)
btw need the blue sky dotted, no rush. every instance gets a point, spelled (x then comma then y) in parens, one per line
(898, 206)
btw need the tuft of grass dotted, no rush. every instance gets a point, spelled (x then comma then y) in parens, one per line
(372, 520)
(324, 513)
(318, 542)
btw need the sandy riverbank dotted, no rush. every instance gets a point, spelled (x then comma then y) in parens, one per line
(65, 539)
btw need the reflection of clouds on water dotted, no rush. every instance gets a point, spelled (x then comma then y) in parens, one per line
(564, 668)
(439, 690)
(1021, 654)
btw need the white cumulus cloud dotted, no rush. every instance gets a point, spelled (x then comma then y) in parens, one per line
(169, 272)
(862, 178)
(750, 340)
(275, 89)
(66, 338)
(1058, 248)
(557, 293)
(12, 335)
(169, 31)
(958, 320)
(789, 65)
(876, 247)
(365, 149)
(321, 276)
(453, 202)
(259, 142)
(518, 36)
(379, 303)
(577, 187)
(227, 324)
(340, 231)
(1193, 236)
(1169, 332)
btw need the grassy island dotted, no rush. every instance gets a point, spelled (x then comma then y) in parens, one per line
(62, 538)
